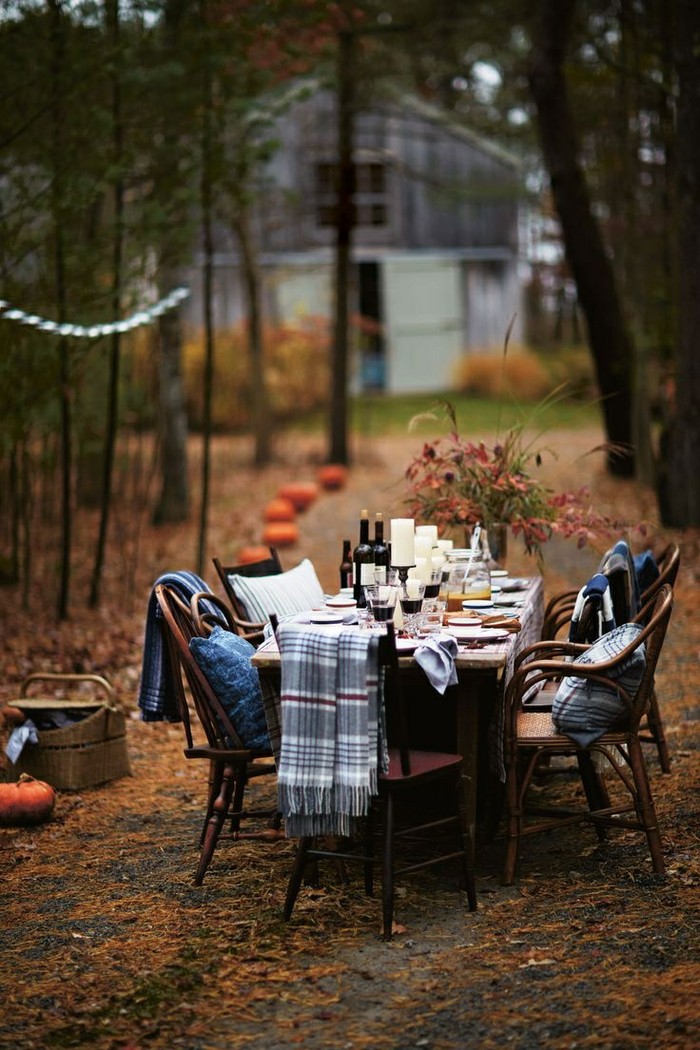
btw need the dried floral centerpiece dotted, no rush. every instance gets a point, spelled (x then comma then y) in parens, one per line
(455, 483)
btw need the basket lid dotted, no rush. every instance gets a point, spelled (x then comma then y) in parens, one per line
(55, 703)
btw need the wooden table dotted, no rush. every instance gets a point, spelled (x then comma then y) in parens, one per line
(468, 718)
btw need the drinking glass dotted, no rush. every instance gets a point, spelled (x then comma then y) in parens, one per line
(381, 600)
(411, 597)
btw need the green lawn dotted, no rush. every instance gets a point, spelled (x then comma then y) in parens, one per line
(392, 414)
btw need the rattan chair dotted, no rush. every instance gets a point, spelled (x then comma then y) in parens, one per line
(404, 791)
(231, 765)
(251, 631)
(531, 734)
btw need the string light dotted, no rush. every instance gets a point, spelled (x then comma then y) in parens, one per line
(94, 331)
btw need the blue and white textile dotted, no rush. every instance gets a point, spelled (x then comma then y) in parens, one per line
(158, 697)
(436, 656)
(333, 738)
(618, 565)
(595, 596)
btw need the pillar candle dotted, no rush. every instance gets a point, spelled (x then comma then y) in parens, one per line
(427, 530)
(423, 545)
(403, 551)
(413, 588)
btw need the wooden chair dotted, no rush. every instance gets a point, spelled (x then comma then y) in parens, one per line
(651, 730)
(532, 734)
(411, 773)
(252, 632)
(231, 765)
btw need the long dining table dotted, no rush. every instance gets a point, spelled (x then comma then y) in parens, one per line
(468, 717)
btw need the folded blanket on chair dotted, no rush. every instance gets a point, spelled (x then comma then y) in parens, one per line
(593, 611)
(158, 698)
(333, 740)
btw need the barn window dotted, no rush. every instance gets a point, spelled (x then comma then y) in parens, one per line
(370, 193)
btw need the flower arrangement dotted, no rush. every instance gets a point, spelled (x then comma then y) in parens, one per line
(454, 482)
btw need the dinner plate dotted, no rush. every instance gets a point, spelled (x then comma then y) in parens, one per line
(499, 572)
(478, 634)
(406, 645)
(325, 617)
(464, 621)
(340, 601)
(507, 599)
(515, 585)
(477, 603)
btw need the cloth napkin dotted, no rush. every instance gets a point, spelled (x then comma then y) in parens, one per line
(436, 656)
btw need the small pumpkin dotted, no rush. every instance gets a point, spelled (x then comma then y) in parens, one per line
(332, 476)
(247, 555)
(279, 509)
(281, 533)
(301, 493)
(28, 801)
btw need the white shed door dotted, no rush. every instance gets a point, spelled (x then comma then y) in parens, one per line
(423, 322)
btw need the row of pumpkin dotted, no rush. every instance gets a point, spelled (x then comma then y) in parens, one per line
(280, 528)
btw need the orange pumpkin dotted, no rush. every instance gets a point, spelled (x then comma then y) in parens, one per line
(246, 555)
(281, 533)
(280, 509)
(332, 476)
(29, 801)
(300, 493)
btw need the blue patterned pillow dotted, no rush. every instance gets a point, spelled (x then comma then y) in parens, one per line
(583, 709)
(225, 662)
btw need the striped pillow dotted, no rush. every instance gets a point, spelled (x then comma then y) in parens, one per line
(286, 593)
(583, 709)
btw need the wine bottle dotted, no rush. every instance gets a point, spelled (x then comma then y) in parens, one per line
(381, 551)
(346, 565)
(362, 562)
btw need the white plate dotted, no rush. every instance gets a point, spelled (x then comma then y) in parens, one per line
(325, 617)
(477, 603)
(340, 601)
(507, 599)
(406, 645)
(464, 621)
(515, 585)
(478, 634)
(495, 588)
(499, 572)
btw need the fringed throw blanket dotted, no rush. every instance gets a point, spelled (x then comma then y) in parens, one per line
(333, 740)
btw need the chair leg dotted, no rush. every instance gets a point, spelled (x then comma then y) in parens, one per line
(464, 843)
(388, 868)
(369, 853)
(219, 809)
(594, 786)
(237, 801)
(295, 879)
(514, 821)
(645, 804)
(656, 729)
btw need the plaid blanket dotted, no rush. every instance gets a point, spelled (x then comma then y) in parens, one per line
(157, 697)
(333, 740)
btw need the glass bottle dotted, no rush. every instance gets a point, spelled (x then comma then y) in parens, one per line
(381, 551)
(346, 566)
(362, 562)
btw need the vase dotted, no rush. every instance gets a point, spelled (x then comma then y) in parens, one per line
(495, 541)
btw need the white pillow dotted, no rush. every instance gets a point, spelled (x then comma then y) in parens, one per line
(296, 590)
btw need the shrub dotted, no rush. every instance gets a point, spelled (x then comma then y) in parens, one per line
(296, 371)
(488, 374)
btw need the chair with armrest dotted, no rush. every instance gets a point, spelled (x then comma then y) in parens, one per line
(231, 764)
(403, 790)
(531, 734)
(252, 631)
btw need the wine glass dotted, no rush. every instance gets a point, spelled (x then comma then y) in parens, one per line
(381, 599)
(412, 594)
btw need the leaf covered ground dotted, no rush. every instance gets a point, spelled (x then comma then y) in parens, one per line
(106, 943)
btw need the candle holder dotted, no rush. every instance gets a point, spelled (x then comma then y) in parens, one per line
(403, 572)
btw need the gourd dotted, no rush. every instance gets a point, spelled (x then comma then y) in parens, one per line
(332, 476)
(281, 533)
(28, 801)
(247, 555)
(301, 493)
(279, 509)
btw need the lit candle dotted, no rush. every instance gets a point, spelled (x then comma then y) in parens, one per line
(403, 550)
(423, 545)
(413, 588)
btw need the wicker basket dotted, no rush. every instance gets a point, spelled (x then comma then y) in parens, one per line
(89, 752)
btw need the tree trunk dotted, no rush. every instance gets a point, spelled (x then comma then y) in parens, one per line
(262, 421)
(679, 494)
(115, 345)
(338, 422)
(173, 502)
(608, 338)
